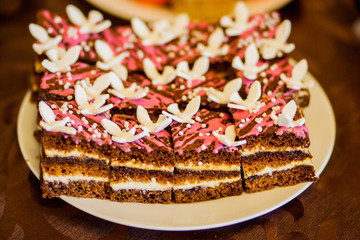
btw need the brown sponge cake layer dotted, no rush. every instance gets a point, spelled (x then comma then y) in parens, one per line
(81, 188)
(223, 157)
(58, 166)
(142, 196)
(298, 174)
(159, 158)
(197, 177)
(199, 193)
(123, 174)
(270, 139)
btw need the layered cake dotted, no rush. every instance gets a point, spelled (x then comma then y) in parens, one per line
(169, 111)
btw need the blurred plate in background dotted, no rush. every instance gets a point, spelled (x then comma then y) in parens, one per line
(128, 9)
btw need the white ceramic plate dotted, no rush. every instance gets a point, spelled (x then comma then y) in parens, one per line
(209, 214)
(129, 8)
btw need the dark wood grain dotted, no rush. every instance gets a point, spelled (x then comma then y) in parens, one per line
(329, 209)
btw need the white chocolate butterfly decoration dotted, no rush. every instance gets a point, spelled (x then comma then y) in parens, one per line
(286, 117)
(60, 61)
(201, 66)
(239, 24)
(228, 139)
(222, 97)
(45, 42)
(215, 45)
(179, 26)
(185, 116)
(132, 92)
(270, 48)
(49, 123)
(251, 103)
(296, 81)
(250, 67)
(122, 136)
(100, 84)
(110, 61)
(167, 76)
(162, 31)
(143, 117)
(90, 107)
(95, 22)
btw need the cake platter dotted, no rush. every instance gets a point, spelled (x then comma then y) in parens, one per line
(129, 8)
(202, 215)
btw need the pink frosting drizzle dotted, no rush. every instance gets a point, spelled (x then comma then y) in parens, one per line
(243, 119)
(201, 132)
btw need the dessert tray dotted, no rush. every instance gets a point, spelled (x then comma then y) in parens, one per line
(129, 8)
(202, 215)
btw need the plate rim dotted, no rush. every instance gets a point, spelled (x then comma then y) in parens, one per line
(79, 203)
(147, 12)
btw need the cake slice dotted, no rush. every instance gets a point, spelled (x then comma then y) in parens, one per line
(74, 152)
(205, 168)
(276, 152)
(141, 170)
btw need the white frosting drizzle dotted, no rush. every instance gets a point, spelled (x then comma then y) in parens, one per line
(122, 136)
(88, 106)
(167, 76)
(250, 67)
(60, 61)
(222, 97)
(240, 22)
(185, 116)
(161, 31)
(49, 123)
(95, 22)
(296, 81)
(110, 61)
(270, 48)
(251, 103)
(201, 66)
(285, 118)
(215, 45)
(143, 117)
(44, 41)
(228, 139)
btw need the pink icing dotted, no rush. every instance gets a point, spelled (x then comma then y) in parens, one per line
(156, 139)
(267, 121)
(62, 84)
(87, 132)
(200, 131)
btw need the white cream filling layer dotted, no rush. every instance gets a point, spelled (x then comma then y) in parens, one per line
(149, 186)
(205, 184)
(208, 167)
(270, 170)
(143, 166)
(73, 153)
(259, 149)
(67, 179)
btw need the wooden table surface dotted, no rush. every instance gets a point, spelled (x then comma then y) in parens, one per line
(328, 209)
